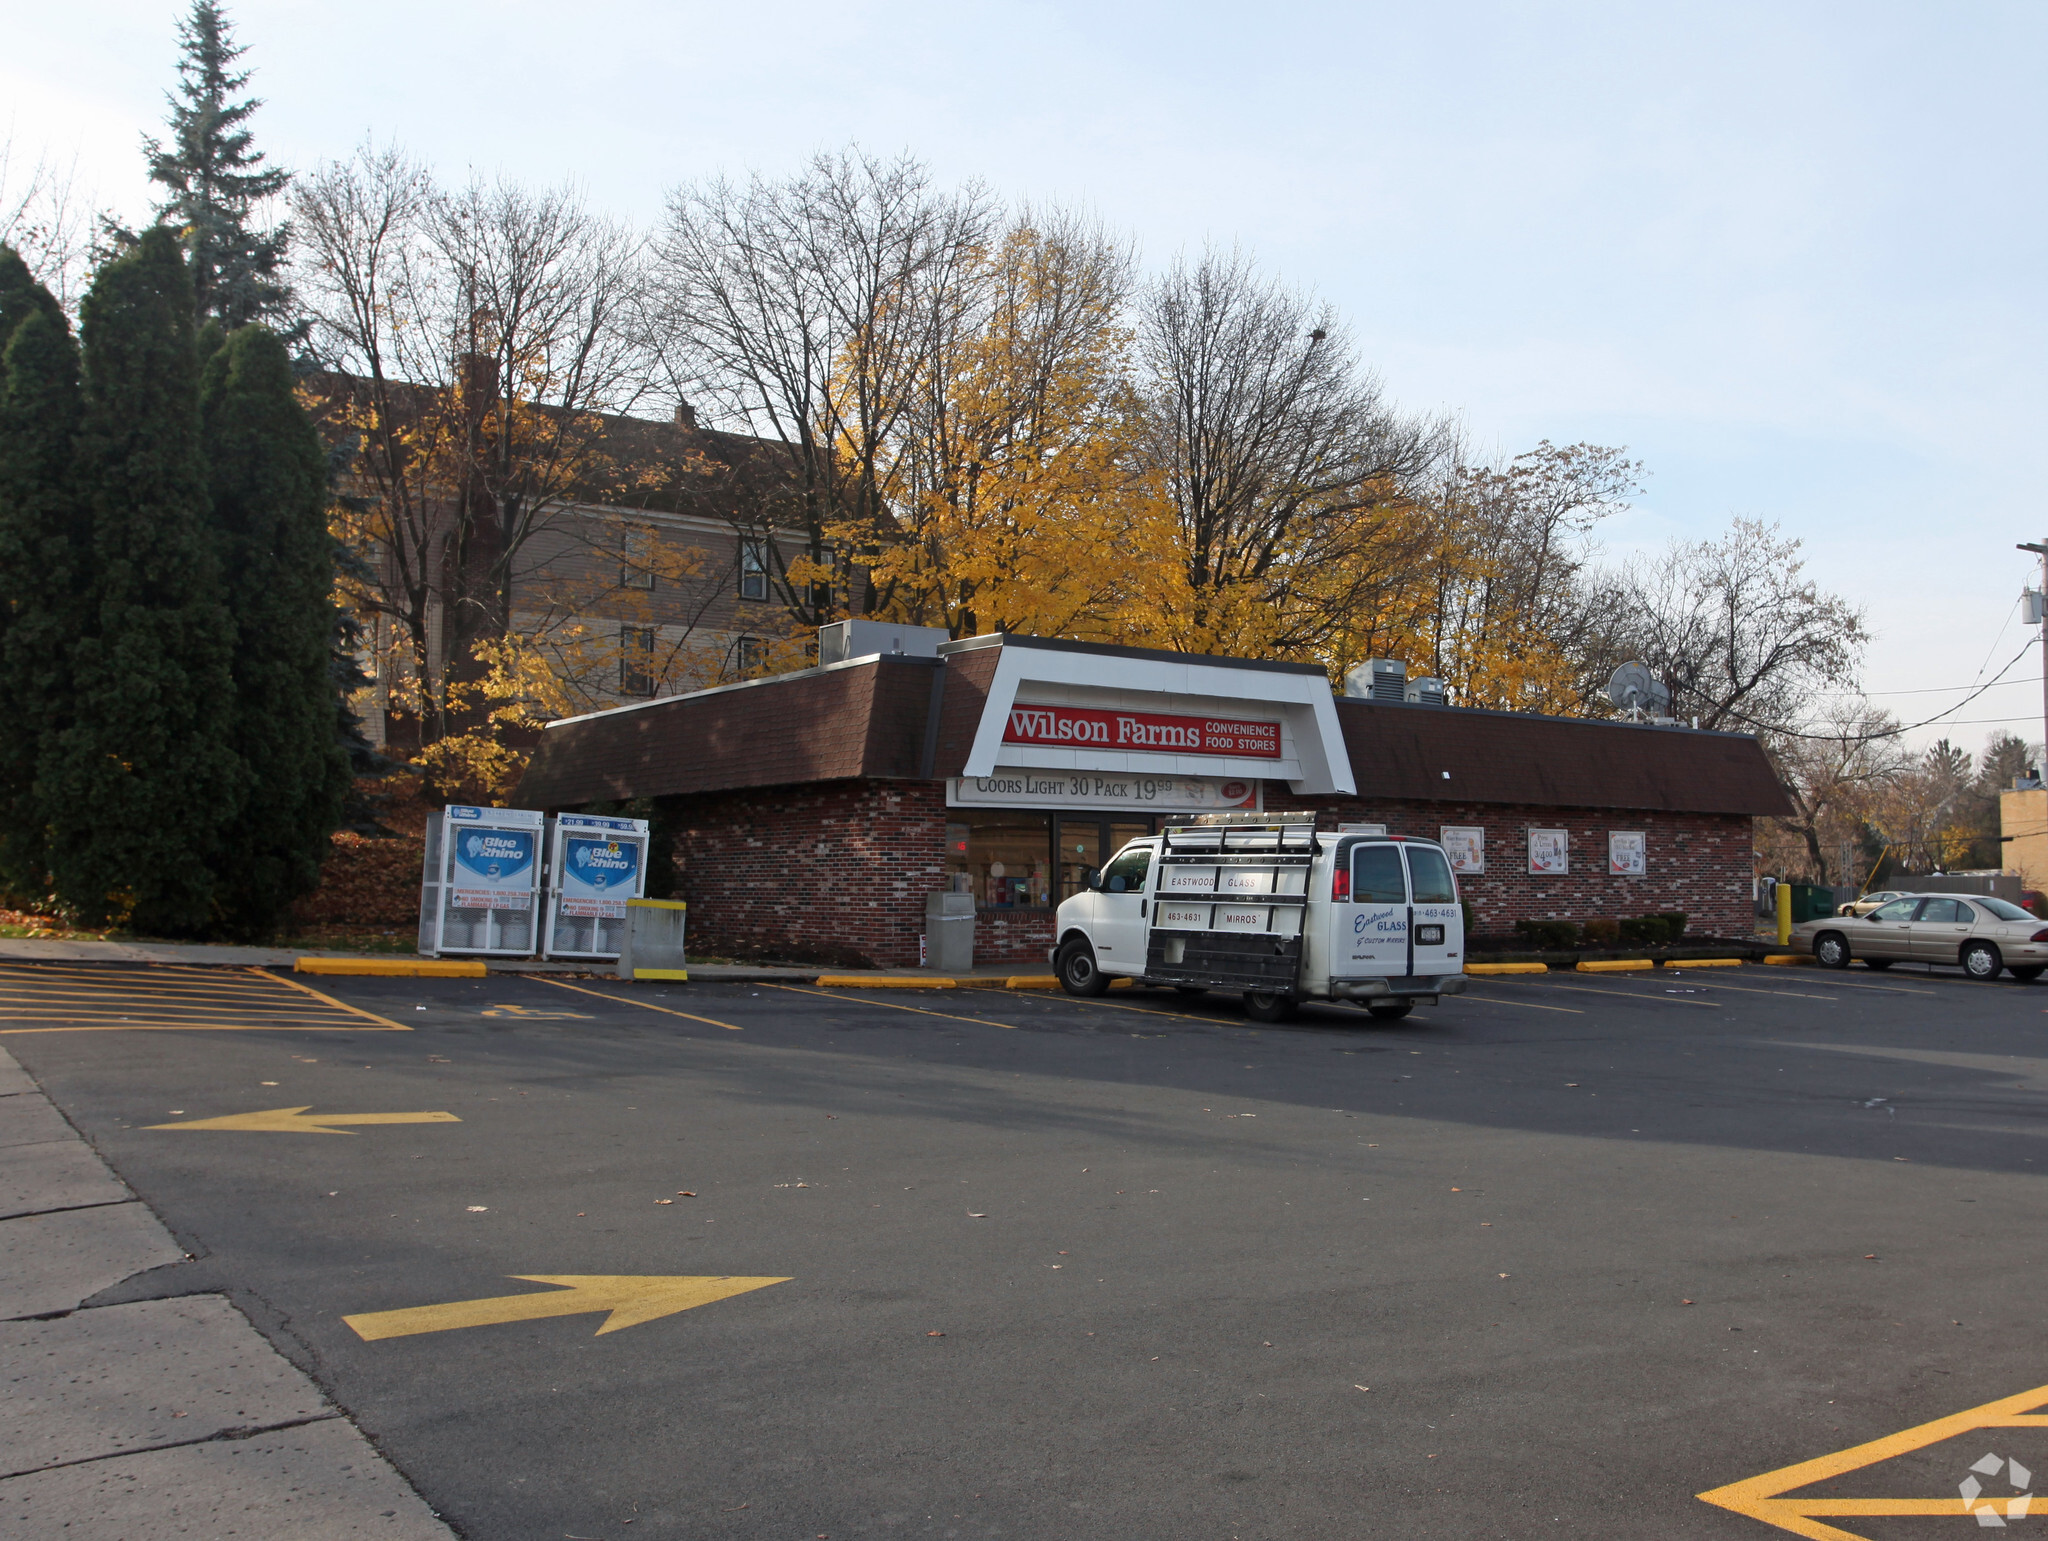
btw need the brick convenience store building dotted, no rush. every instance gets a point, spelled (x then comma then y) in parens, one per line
(813, 812)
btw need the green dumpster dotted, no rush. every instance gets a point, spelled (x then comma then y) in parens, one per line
(1811, 901)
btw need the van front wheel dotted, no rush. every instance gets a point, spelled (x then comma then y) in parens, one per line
(1077, 970)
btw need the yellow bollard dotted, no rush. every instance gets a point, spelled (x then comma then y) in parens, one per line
(1784, 914)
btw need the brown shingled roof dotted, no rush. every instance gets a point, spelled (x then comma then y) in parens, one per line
(871, 717)
(1402, 750)
(864, 718)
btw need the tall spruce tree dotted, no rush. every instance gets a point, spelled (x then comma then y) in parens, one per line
(215, 179)
(139, 787)
(39, 567)
(268, 476)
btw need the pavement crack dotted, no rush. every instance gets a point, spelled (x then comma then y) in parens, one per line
(243, 1431)
(63, 1209)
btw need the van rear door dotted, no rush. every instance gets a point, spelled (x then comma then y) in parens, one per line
(1369, 935)
(1438, 924)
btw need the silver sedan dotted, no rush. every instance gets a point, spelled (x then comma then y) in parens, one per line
(1979, 935)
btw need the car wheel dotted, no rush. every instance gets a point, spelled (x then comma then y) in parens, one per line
(1192, 989)
(1268, 1005)
(2026, 972)
(1981, 961)
(1390, 1011)
(1880, 964)
(1077, 970)
(1831, 950)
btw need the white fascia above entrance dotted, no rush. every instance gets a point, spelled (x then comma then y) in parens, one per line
(1313, 757)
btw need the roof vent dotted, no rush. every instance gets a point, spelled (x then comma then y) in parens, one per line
(862, 639)
(1377, 679)
(1426, 691)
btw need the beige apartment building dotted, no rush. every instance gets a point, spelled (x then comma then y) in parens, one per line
(665, 574)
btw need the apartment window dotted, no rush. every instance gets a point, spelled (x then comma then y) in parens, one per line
(636, 571)
(751, 655)
(636, 660)
(753, 569)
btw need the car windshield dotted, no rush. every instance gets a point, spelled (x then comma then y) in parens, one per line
(2003, 909)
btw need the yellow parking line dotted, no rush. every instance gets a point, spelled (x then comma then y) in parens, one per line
(320, 995)
(1722, 984)
(1492, 1000)
(1143, 1011)
(922, 1011)
(1623, 995)
(627, 1000)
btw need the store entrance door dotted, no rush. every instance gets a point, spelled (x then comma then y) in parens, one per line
(1085, 842)
(1079, 844)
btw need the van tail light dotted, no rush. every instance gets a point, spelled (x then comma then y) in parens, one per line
(1340, 886)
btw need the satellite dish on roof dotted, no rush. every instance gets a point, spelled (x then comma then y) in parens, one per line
(1636, 690)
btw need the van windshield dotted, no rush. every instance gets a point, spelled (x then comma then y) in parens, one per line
(1376, 875)
(1432, 876)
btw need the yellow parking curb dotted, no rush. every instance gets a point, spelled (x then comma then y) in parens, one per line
(1704, 963)
(884, 982)
(1789, 959)
(1032, 982)
(659, 973)
(438, 968)
(1615, 965)
(1507, 968)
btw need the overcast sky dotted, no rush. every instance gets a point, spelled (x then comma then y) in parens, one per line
(1789, 254)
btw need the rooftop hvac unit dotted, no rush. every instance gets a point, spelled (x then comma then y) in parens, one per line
(1426, 691)
(861, 639)
(1378, 679)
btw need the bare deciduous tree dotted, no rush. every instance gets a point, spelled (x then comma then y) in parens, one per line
(46, 218)
(475, 341)
(803, 311)
(1744, 639)
(1278, 453)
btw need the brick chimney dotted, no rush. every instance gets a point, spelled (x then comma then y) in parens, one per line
(686, 416)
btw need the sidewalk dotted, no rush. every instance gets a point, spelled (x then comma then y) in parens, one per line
(160, 1418)
(42, 951)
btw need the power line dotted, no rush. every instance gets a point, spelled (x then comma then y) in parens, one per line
(1911, 727)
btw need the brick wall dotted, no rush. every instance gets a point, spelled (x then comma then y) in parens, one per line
(837, 872)
(1698, 863)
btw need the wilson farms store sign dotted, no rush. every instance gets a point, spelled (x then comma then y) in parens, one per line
(1078, 727)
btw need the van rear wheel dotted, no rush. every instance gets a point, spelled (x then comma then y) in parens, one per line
(1077, 970)
(1268, 1005)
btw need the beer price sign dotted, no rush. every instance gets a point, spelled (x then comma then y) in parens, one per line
(1080, 727)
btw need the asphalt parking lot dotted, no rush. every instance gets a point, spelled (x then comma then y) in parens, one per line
(1552, 1258)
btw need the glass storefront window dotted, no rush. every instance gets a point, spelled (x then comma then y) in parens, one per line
(999, 857)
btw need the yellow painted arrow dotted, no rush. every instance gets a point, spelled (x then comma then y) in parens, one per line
(631, 1299)
(1763, 1498)
(305, 1121)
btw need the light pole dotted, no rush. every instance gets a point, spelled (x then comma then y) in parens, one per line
(2040, 609)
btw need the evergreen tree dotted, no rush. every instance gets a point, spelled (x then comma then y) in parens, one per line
(268, 476)
(138, 789)
(39, 409)
(215, 179)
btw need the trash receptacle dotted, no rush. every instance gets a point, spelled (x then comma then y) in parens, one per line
(652, 947)
(949, 931)
(1812, 901)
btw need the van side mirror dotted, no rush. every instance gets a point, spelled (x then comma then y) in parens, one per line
(1094, 880)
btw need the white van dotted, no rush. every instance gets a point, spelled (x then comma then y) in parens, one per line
(1264, 905)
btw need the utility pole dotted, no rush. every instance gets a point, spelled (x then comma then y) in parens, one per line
(2037, 609)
